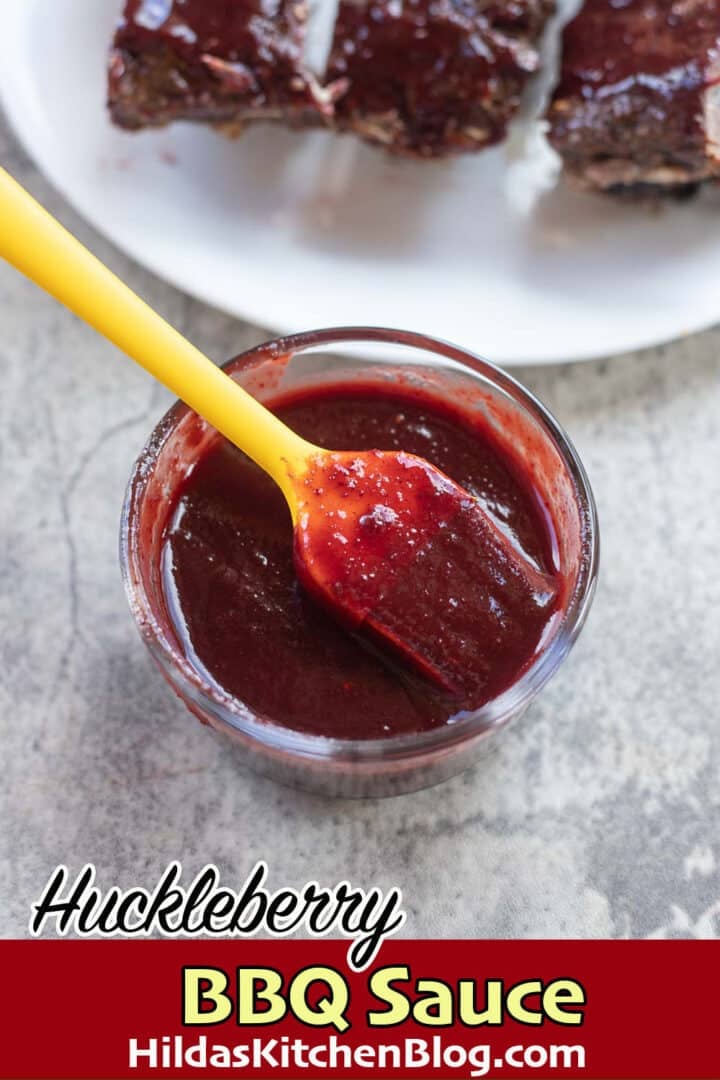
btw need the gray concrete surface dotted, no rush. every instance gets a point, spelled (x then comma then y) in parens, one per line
(599, 814)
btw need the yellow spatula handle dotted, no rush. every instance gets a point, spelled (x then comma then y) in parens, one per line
(37, 245)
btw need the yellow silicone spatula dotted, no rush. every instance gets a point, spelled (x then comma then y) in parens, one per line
(38, 245)
(361, 519)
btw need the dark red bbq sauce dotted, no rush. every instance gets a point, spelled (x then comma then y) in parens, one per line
(662, 49)
(196, 27)
(397, 550)
(248, 52)
(425, 72)
(246, 623)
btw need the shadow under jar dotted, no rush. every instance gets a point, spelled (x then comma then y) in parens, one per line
(380, 363)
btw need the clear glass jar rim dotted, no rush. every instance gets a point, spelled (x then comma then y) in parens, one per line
(473, 724)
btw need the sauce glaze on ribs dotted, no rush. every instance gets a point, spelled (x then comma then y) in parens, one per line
(638, 103)
(432, 78)
(421, 77)
(216, 61)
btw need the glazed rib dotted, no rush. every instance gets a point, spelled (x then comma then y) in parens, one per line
(433, 78)
(638, 103)
(214, 61)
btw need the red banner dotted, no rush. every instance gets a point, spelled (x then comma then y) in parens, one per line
(595, 1009)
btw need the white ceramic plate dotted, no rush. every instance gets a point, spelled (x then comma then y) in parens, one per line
(294, 231)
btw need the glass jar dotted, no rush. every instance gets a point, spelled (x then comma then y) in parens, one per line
(396, 764)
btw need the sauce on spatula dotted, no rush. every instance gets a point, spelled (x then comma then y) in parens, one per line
(410, 557)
